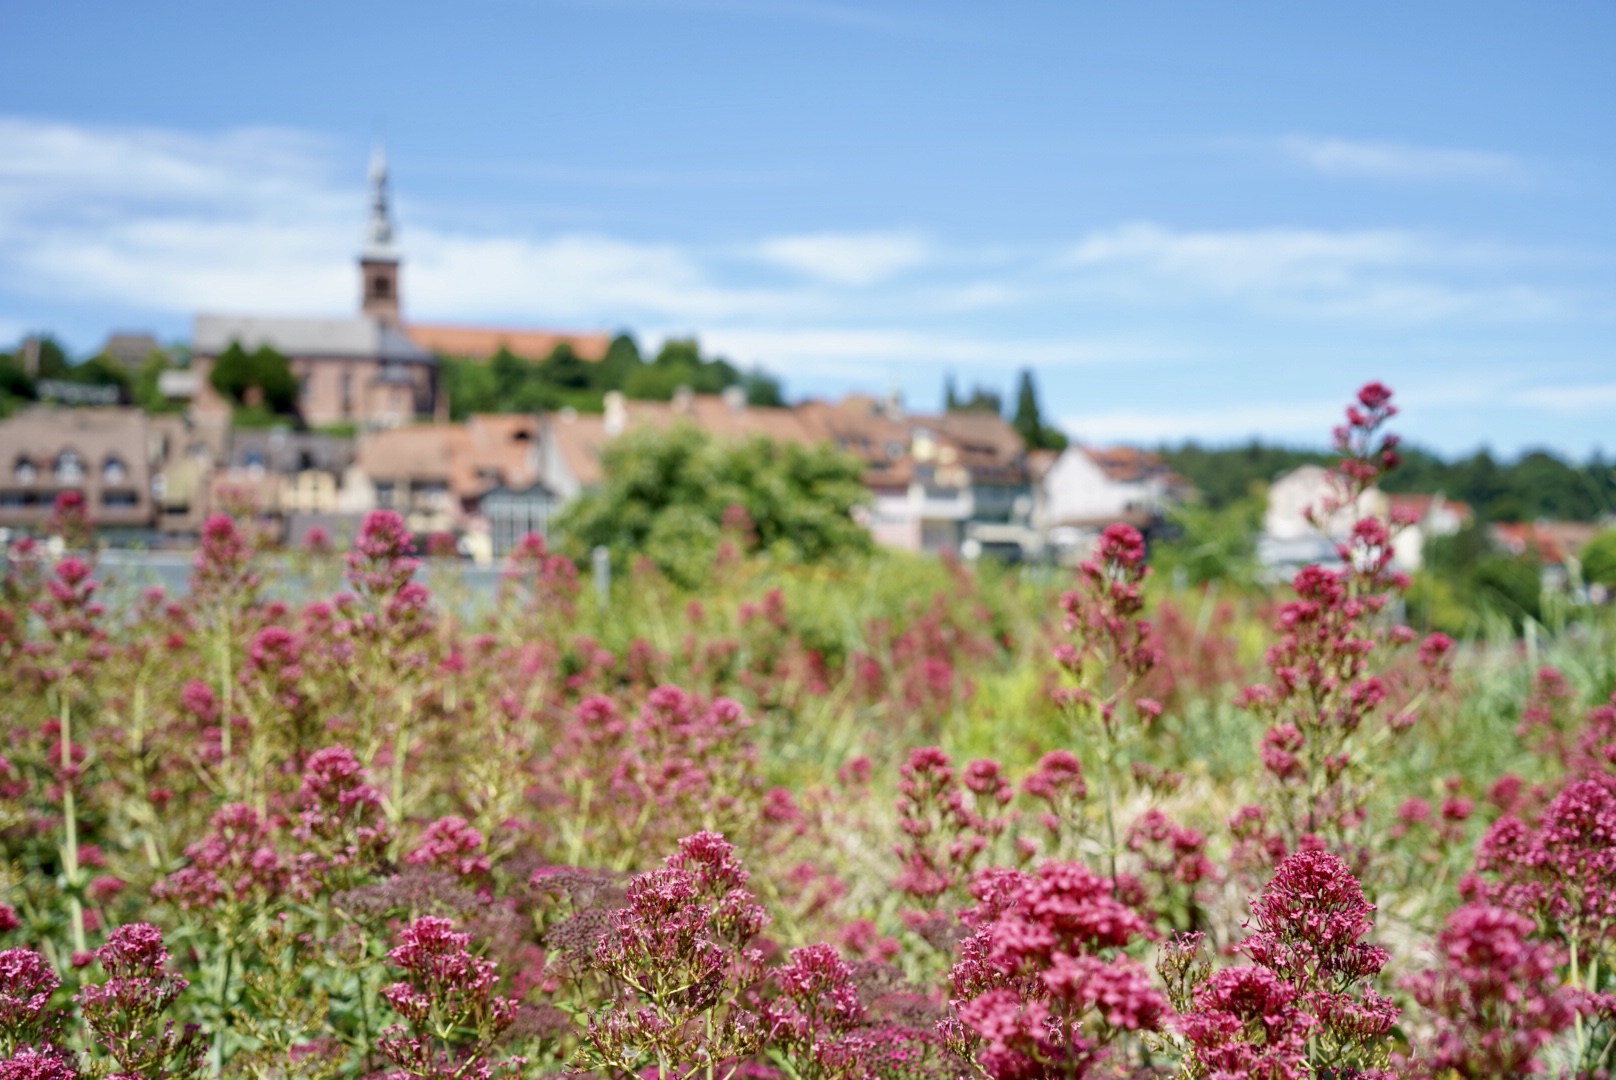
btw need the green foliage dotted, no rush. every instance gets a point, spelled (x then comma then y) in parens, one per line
(16, 388)
(509, 383)
(1227, 475)
(1213, 544)
(1537, 485)
(1510, 586)
(237, 374)
(666, 495)
(763, 389)
(1029, 419)
(145, 391)
(981, 400)
(100, 371)
(1599, 559)
(53, 360)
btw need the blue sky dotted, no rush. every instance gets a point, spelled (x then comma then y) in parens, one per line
(1210, 220)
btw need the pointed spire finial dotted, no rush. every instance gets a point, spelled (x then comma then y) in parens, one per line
(379, 230)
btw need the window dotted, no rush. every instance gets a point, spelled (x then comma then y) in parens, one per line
(120, 500)
(25, 471)
(113, 472)
(380, 287)
(69, 468)
(384, 495)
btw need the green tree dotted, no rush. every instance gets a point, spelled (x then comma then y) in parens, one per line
(145, 390)
(1029, 420)
(951, 399)
(666, 493)
(1599, 559)
(564, 368)
(621, 359)
(16, 388)
(762, 389)
(237, 374)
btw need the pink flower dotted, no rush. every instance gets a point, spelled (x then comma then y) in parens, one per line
(450, 844)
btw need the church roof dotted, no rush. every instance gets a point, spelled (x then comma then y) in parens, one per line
(483, 342)
(356, 337)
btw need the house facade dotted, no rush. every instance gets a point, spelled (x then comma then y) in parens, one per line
(136, 472)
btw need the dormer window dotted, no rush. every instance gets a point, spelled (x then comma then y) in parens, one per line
(25, 471)
(69, 468)
(113, 471)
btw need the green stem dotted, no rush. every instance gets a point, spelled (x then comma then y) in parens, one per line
(70, 825)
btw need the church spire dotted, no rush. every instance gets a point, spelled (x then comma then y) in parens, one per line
(379, 231)
(378, 259)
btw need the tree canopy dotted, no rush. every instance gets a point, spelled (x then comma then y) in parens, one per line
(672, 494)
(260, 380)
(509, 383)
(1538, 484)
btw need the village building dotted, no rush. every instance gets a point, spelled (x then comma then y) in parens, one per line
(137, 473)
(437, 475)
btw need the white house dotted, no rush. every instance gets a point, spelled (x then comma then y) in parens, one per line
(1290, 540)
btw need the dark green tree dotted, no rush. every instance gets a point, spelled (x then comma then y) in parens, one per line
(564, 368)
(237, 374)
(951, 399)
(1029, 420)
(1599, 559)
(762, 389)
(666, 493)
(622, 357)
(145, 391)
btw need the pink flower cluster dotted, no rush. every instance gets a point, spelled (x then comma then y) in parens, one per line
(1042, 987)
(1306, 1003)
(945, 830)
(1496, 996)
(451, 1013)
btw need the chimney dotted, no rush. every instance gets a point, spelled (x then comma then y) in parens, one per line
(684, 400)
(735, 398)
(616, 413)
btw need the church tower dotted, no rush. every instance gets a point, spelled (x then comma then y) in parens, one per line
(378, 260)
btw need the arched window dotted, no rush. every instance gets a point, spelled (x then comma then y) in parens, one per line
(69, 468)
(25, 470)
(113, 471)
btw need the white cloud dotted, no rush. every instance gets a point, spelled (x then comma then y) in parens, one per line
(1394, 274)
(1399, 161)
(853, 352)
(265, 221)
(847, 258)
(1597, 398)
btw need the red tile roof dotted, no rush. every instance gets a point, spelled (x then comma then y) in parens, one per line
(482, 342)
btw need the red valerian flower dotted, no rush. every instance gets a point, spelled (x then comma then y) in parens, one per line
(1496, 996)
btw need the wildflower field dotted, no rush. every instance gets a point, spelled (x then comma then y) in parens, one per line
(888, 818)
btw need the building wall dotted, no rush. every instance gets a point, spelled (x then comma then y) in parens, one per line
(340, 390)
(104, 453)
(1077, 489)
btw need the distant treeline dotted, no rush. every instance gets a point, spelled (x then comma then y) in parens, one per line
(1538, 484)
(20, 387)
(508, 383)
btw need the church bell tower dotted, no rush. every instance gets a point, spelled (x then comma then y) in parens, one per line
(378, 260)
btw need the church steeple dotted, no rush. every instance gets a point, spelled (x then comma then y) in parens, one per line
(378, 259)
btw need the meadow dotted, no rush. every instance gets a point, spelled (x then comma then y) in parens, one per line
(884, 817)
